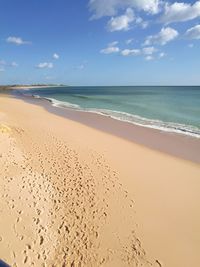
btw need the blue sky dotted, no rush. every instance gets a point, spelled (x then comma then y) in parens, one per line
(100, 42)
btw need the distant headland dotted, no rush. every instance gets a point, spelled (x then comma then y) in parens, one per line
(28, 86)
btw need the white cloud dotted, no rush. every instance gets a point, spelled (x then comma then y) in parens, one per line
(193, 33)
(101, 8)
(16, 40)
(164, 36)
(80, 67)
(149, 50)
(144, 24)
(2, 69)
(149, 53)
(114, 43)
(180, 12)
(149, 58)
(124, 21)
(130, 52)
(45, 65)
(56, 56)
(129, 41)
(191, 45)
(111, 48)
(121, 22)
(13, 64)
(4, 63)
(162, 54)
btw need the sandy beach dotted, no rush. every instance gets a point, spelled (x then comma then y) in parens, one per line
(74, 194)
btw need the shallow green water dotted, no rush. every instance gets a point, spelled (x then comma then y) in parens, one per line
(175, 109)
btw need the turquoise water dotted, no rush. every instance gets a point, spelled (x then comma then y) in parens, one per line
(174, 109)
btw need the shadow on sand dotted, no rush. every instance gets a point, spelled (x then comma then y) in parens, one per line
(3, 264)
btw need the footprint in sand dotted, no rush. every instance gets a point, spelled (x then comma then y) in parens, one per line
(41, 240)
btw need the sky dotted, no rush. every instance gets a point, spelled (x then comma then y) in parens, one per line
(100, 42)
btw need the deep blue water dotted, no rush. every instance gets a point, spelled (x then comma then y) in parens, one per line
(175, 109)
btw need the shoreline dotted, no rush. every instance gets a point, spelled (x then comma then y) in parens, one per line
(163, 126)
(175, 144)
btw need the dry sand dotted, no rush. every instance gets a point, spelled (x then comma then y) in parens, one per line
(75, 196)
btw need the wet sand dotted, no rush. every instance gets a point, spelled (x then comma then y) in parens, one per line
(72, 195)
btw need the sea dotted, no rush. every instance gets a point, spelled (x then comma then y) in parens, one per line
(167, 108)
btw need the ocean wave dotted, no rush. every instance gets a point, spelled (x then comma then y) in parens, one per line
(63, 104)
(150, 123)
(172, 127)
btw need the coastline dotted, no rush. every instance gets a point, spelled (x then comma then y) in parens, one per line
(171, 125)
(34, 86)
(63, 179)
(175, 144)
